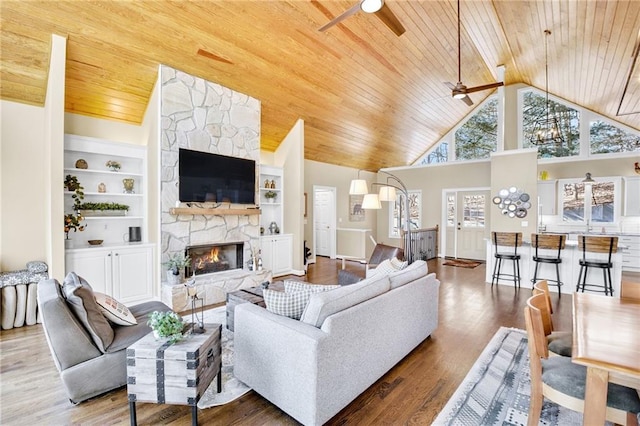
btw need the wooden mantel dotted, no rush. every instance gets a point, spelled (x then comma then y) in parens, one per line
(212, 212)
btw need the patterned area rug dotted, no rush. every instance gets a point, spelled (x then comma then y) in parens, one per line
(232, 388)
(497, 388)
(462, 263)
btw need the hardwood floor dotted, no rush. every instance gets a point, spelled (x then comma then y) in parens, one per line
(413, 392)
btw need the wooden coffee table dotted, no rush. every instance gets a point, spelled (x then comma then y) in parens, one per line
(247, 295)
(178, 373)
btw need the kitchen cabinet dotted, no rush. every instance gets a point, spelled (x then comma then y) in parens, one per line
(631, 253)
(547, 197)
(277, 253)
(124, 272)
(631, 195)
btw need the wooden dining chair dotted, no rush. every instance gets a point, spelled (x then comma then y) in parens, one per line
(559, 342)
(563, 382)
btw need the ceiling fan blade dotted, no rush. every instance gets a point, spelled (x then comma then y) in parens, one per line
(390, 20)
(355, 9)
(449, 85)
(485, 87)
(467, 100)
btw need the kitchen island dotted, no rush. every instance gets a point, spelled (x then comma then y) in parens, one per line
(569, 268)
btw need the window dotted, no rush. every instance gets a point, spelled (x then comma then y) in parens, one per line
(438, 155)
(605, 138)
(451, 209)
(478, 137)
(595, 203)
(534, 109)
(473, 211)
(397, 215)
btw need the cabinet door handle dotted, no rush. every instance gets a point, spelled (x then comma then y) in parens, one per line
(109, 255)
(116, 254)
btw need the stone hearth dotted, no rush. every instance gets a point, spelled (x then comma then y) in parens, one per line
(213, 288)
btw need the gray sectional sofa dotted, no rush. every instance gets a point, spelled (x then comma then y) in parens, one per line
(345, 341)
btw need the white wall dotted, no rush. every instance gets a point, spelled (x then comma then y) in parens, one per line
(23, 185)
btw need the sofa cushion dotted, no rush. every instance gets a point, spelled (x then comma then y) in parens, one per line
(290, 304)
(113, 310)
(291, 286)
(321, 305)
(411, 273)
(82, 302)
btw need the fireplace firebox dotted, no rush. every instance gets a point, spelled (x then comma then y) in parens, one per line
(210, 258)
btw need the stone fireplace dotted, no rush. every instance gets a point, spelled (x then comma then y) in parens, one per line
(211, 258)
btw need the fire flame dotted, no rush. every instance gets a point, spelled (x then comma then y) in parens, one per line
(212, 257)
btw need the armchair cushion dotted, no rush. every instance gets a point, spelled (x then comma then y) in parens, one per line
(383, 251)
(83, 304)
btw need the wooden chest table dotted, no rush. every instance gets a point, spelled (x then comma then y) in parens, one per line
(178, 373)
(247, 295)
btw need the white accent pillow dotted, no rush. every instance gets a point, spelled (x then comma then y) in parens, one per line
(385, 268)
(291, 286)
(286, 304)
(398, 264)
(113, 310)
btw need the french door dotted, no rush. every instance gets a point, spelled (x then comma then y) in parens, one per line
(466, 224)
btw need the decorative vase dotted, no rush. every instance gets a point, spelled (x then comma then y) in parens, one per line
(173, 279)
(68, 243)
(271, 200)
(128, 185)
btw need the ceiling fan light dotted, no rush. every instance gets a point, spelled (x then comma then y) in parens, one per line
(371, 6)
(459, 95)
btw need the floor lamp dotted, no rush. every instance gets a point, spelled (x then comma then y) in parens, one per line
(387, 192)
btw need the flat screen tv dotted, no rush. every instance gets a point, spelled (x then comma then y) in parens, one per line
(206, 177)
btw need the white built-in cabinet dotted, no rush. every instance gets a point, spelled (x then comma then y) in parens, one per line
(631, 195)
(547, 197)
(122, 272)
(277, 254)
(117, 267)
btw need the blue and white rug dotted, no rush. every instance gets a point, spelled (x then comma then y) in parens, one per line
(232, 388)
(496, 390)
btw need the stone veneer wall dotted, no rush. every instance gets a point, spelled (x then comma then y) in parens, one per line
(204, 116)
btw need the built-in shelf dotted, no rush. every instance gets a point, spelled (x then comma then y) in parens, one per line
(212, 212)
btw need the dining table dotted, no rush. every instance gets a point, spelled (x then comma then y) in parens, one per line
(606, 340)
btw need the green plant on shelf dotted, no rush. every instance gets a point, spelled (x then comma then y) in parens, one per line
(166, 325)
(73, 221)
(103, 206)
(113, 165)
(270, 194)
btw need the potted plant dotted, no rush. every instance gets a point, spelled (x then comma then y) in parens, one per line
(271, 196)
(167, 325)
(113, 165)
(73, 221)
(175, 266)
(103, 209)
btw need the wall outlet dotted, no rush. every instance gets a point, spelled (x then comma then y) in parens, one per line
(525, 223)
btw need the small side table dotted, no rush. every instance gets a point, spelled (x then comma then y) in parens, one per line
(179, 373)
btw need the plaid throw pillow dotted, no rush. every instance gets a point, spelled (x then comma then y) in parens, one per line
(291, 286)
(287, 304)
(398, 264)
(385, 267)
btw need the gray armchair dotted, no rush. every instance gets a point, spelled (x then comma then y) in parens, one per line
(88, 362)
(380, 253)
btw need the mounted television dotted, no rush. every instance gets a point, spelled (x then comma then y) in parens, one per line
(206, 177)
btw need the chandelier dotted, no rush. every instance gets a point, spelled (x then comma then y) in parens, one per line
(546, 130)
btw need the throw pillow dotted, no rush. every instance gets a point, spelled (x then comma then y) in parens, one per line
(83, 304)
(398, 264)
(291, 286)
(384, 268)
(37, 266)
(114, 311)
(287, 304)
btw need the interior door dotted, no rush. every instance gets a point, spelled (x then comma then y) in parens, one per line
(471, 224)
(324, 221)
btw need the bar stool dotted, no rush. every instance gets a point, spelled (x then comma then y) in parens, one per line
(506, 239)
(599, 244)
(548, 242)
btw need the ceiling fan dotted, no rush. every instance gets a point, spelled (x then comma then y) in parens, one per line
(459, 90)
(376, 7)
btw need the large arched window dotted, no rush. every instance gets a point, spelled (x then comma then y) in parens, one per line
(478, 137)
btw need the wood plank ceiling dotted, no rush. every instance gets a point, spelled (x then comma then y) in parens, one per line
(369, 99)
